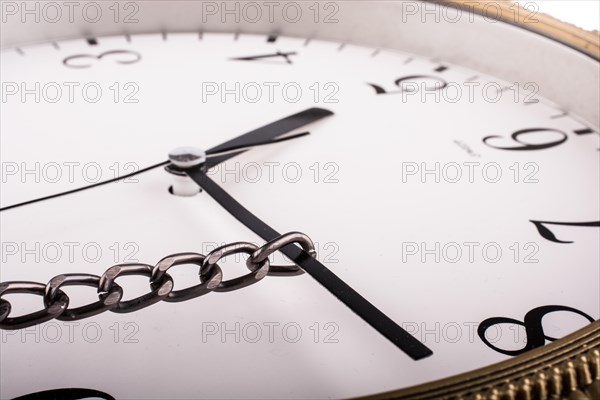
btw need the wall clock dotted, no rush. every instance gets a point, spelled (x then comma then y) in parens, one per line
(434, 166)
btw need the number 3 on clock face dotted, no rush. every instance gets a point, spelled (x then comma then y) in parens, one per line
(413, 191)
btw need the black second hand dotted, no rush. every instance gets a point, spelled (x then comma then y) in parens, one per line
(361, 306)
(267, 134)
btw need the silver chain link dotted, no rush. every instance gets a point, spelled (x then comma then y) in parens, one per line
(110, 294)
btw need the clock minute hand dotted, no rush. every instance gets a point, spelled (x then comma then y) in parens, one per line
(363, 308)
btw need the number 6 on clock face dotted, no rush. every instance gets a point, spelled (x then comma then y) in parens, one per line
(466, 213)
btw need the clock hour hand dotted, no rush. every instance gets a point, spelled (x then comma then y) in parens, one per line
(266, 134)
(224, 153)
(255, 144)
(215, 157)
(362, 307)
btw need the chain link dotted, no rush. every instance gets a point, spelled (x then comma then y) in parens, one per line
(110, 294)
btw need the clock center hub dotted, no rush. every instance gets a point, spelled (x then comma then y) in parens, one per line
(182, 158)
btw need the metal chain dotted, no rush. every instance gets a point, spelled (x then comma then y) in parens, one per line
(110, 294)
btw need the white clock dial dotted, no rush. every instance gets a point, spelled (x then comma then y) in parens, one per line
(424, 192)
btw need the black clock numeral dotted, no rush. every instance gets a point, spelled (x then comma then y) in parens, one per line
(284, 55)
(119, 56)
(539, 146)
(427, 81)
(532, 323)
(516, 136)
(547, 233)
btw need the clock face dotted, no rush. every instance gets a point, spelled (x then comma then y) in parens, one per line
(464, 207)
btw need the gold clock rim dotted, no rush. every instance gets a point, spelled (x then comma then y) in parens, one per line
(571, 364)
(570, 35)
(567, 367)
